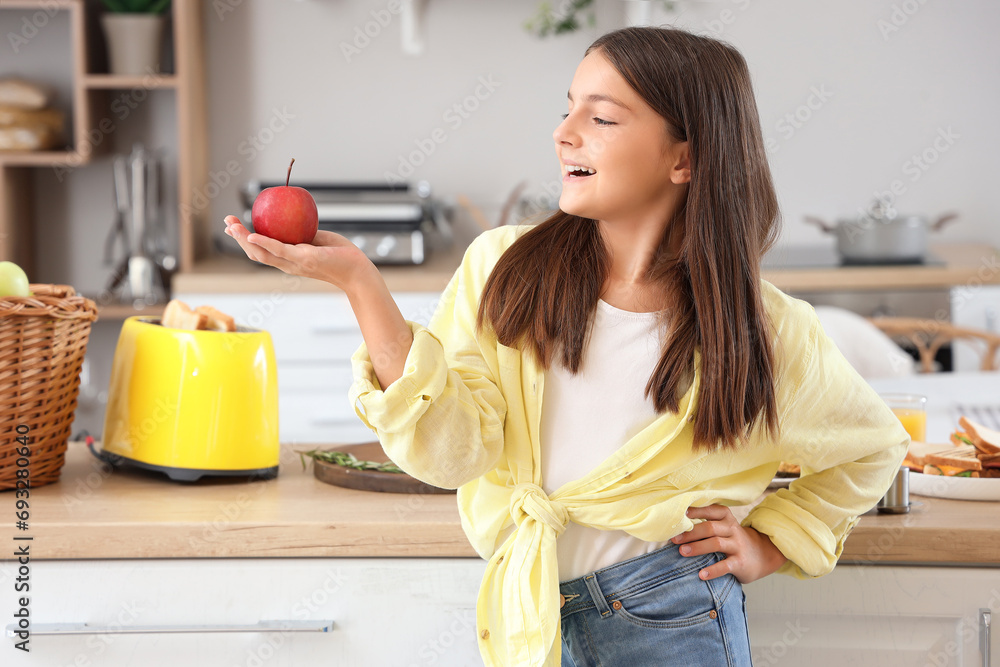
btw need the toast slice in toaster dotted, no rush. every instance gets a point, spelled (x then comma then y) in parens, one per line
(216, 320)
(178, 315)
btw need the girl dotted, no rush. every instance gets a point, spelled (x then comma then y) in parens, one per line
(602, 387)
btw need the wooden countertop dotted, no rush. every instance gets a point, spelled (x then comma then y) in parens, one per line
(94, 512)
(91, 513)
(964, 262)
(225, 274)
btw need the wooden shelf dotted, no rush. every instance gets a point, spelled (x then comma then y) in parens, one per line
(119, 82)
(122, 311)
(89, 97)
(42, 159)
(40, 4)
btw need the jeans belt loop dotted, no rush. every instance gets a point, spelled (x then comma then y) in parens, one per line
(597, 595)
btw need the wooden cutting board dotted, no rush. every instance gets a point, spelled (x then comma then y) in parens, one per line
(370, 480)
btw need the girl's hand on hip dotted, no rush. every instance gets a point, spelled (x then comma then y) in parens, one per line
(749, 555)
(330, 257)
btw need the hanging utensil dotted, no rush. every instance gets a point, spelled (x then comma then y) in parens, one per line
(143, 275)
(140, 266)
(159, 243)
(118, 227)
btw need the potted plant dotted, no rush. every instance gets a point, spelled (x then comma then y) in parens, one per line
(134, 33)
(570, 15)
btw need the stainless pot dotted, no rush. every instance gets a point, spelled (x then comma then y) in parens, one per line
(881, 236)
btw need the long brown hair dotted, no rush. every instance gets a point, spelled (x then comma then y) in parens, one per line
(543, 292)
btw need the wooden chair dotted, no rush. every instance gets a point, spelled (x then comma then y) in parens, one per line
(929, 335)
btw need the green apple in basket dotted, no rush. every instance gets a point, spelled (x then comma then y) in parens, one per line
(13, 280)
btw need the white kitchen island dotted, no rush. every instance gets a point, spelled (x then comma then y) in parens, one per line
(908, 610)
(398, 580)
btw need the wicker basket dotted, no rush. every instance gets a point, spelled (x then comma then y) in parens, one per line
(43, 339)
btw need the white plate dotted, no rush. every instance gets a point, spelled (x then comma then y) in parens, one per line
(959, 488)
(781, 482)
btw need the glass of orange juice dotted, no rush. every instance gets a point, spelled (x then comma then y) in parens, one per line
(911, 410)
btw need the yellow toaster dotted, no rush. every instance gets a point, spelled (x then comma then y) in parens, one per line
(192, 403)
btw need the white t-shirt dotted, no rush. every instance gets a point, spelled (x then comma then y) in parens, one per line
(587, 417)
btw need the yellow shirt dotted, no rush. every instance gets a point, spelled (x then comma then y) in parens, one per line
(466, 413)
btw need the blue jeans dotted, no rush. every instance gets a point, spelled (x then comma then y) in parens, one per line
(654, 610)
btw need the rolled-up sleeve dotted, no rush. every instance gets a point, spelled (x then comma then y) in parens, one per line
(442, 420)
(849, 446)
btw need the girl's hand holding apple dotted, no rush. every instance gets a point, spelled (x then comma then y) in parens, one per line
(330, 257)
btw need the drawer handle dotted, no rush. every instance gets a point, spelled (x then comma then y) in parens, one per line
(985, 623)
(333, 422)
(86, 629)
(333, 329)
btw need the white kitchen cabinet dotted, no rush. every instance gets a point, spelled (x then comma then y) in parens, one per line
(873, 615)
(386, 612)
(405, 612)
(976, 306)
(314, 337)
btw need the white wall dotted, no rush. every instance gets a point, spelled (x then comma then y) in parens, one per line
(890, 94)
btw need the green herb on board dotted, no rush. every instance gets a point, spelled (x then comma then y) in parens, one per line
(347, 460)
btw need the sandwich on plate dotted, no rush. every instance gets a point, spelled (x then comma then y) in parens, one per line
(986, 442)
(974, 451)
(958, 461)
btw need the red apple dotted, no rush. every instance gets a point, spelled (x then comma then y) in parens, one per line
(285, 213)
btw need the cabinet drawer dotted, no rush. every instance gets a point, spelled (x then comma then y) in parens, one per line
(327, 417)
(304, 327)
(309, 327)
(384, 611)
(885, 615)
(323, 376)
(313, 404)
(974, 307)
